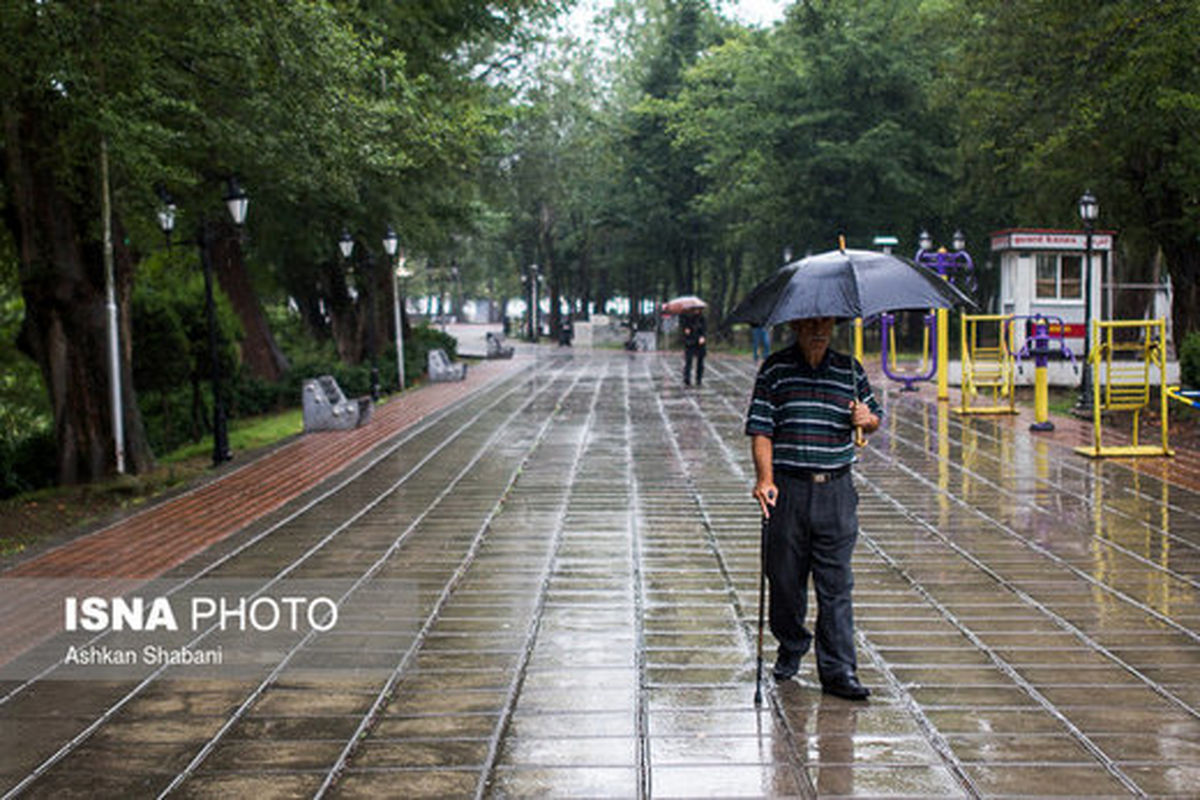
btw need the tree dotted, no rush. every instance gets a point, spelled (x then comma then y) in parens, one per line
(1060, 97)
(315, 106)
(818, 127)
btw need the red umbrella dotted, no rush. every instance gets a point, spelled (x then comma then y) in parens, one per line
(681, 305)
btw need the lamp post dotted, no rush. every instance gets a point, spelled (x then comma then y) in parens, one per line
(391, 243)
(346, 247)
(534, 328)
(372, 314)
(238, 202)
(1089, 211)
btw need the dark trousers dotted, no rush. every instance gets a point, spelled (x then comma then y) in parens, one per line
(812, 531)
(689, 353)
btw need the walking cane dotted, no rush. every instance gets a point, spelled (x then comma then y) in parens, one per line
(762, 591)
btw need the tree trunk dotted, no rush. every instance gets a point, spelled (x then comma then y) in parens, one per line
(1183, 261)
(62, 282)
(260, 352)
(344, 325)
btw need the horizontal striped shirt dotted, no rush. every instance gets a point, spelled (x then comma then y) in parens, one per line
(805, 410)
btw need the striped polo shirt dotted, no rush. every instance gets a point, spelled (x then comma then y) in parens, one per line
(806, 410)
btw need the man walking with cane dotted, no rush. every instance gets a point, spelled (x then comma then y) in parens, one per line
(808, 401)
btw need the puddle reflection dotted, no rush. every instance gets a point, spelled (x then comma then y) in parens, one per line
(829, 726)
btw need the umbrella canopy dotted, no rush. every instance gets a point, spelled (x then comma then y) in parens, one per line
(846, 284)
(684, 304)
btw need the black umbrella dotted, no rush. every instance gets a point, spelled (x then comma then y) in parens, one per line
(846, 284)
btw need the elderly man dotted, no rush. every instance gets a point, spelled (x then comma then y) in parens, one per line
(807, 402)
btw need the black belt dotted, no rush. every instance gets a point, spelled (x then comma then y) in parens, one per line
(813, 475)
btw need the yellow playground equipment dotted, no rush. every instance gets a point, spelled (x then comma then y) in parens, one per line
(1189, 397)
(987, 364)
(1122, 354)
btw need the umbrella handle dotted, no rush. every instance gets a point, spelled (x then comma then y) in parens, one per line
(860, 438)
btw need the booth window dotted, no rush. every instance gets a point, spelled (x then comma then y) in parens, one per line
(1059, 277)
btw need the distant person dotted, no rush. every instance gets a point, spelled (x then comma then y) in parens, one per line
(807, 401)
(566, 331)
(694, 349)
(760, 340)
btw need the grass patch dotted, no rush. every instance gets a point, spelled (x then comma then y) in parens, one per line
(47, 515)
(1060, 400)
(245, 434)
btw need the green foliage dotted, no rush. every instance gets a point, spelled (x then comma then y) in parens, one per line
(26, 435)
(1051, 98)
(1189, 361)
(171, 352)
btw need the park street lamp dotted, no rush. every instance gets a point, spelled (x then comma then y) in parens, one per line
(238, 202)
(1089, 211)
(346, 246)
(391, 243)
(531, 279)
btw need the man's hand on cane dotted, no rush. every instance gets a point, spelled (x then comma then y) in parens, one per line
(766, 494)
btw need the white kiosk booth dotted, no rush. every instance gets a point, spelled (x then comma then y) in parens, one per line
(1042, 273)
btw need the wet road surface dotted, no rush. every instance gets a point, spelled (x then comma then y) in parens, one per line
(551, 590)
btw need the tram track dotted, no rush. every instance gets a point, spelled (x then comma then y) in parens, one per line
(372, 462)
(374, 569)
(1013, 674)
(741, 612)
(936, 741)
(936, 490)
(115, 708)
(638, 588)
(1058, 489)
(543, 585)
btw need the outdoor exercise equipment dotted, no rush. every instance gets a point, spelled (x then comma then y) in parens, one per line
(1190, 397)
(928, 365)
(987, 364)
(958, 269)
(1044, 341)
(1122, 353)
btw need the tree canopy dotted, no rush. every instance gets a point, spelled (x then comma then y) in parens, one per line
(664, 149)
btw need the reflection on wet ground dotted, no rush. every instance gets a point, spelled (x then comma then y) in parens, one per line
(579, 619)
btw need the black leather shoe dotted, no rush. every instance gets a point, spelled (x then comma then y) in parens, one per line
(787, 664)
(847, 687)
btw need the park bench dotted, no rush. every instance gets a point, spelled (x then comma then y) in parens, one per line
(441, 368)
(327, 409)
(496, 349)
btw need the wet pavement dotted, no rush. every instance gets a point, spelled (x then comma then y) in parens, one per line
(551, 588)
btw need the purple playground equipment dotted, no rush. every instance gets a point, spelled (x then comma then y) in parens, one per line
(954, 266)
(886, 322)
(1044, 340)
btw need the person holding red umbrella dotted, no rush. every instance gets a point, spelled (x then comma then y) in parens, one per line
(691, 323)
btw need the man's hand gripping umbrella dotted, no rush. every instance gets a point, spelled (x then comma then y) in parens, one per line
(841, 284)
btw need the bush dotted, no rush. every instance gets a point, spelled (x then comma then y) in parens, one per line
(27, 463)
(168, 414)
(1189, 361)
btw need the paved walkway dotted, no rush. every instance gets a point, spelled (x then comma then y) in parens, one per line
(549, 588)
